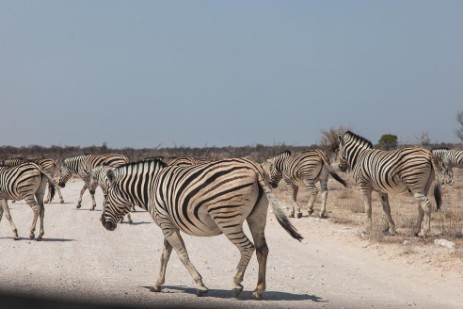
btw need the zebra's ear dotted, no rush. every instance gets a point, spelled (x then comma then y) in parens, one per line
(111, 176)
(340, 139)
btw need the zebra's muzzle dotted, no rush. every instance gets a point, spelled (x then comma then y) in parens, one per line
(61, 184)
(109, 225)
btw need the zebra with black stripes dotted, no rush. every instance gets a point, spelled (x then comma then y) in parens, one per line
(306, 168)
(201, 200)
(26, 181)
(48, 164)
(448, 159)
(395, 171)
(98, 175)
(82, 166)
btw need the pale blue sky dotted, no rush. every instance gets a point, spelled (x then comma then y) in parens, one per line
(219, 73)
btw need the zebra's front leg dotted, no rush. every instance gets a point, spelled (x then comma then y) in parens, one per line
(79, 202)
(167, 250)
(37, 210)
(366, 191)
(4, 208)
(172, 235)
(384, 197)
(93, 201)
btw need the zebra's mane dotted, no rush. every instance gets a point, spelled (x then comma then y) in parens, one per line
(141, 162)
(359, 138)
(440, 148)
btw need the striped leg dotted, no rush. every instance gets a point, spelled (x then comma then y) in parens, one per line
(292, 190)
(79, 202)
(6, 209)
(256, 223)
(424, 208)
(172, 235)
(37, 210)
(366, 192)
(167, 250)
(384, 197)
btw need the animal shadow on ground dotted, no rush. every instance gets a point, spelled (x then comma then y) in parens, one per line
(35, 239)
(245, 295)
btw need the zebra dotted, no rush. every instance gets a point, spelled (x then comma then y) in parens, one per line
(304, 168)
(98, 174)
(201, 200)
(447, 159)
(48, 164)
(395, 171)
(82, 165)
(25, 181)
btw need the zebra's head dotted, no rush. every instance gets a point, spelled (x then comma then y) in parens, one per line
(115, 206)
(65, 173)
(98, 177)
(349, 146)
(276, 167)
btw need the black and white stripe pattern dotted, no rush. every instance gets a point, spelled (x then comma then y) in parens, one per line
(448, 159)
(48, 164)
(179, 161)
(396, 171)
(201, 200)
(82, 166)
(306, 168)
(26, 181)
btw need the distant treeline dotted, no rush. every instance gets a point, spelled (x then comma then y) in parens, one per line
(258, 153)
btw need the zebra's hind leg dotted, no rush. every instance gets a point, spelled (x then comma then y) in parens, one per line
(424, 208)
(256, 223)
(292, 190)
(4, 208)
(172, 235)
(167, 250)
(37, 210)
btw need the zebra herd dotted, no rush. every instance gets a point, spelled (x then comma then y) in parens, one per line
(203, 197)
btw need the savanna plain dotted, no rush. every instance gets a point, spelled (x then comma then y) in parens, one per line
(337, 264)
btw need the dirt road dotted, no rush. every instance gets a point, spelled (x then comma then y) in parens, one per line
(80, 262)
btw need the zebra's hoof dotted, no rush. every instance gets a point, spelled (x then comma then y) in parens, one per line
(299, 215)
(237, 290)
(92, 209)
(78, 206)
(291, 215)
(16, 238)
(200, 293)
(39, 238)
(155, 289)
(32, 236)
(257, 295)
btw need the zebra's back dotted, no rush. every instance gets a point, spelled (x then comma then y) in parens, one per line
(18, 181)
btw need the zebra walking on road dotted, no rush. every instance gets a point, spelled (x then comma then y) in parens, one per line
(395, 171)
(303, 169)
(48, 164)
(201, 200)
(82, 165)
(26, 181)
(448, 159)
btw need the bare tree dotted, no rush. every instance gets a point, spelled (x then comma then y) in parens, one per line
(329, 140)
(459, 131)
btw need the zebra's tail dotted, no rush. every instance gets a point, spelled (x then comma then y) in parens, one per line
(332, 172)
(437, 186)
(337, 177)
(278, 209)
(437, 194)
